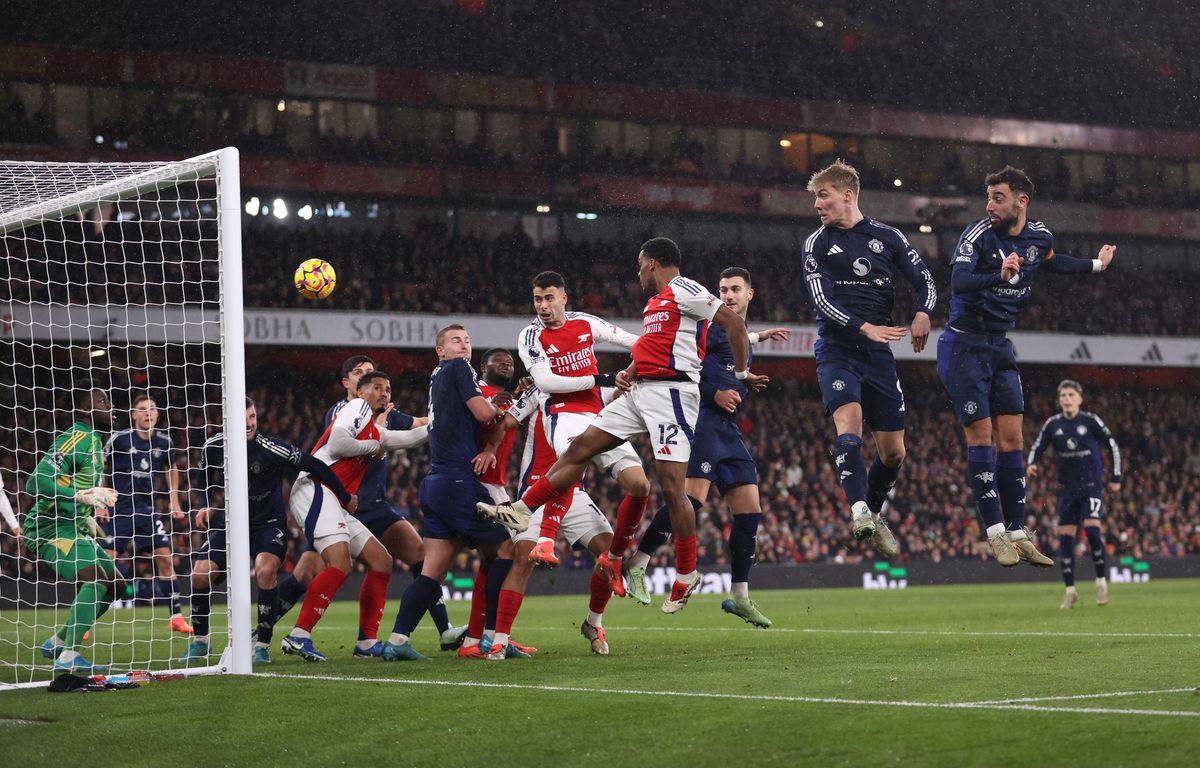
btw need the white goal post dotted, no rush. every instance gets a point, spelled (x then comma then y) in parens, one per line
(126, 277)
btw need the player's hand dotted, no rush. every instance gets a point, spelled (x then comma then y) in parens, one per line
(727, 399)
(93, 527)
(522, 385)
(1032, 470)
(783, 334)
(98, 497)
(1010, 267)
(1106, 256)
(756, 382)
(381, 419)
(202, 516)
(419, 421)
(483, 461)
(919, 330)
(1114, 487)
(177, 512)
(883, 333)
(352, 507)
(502, 400)
(625, 379)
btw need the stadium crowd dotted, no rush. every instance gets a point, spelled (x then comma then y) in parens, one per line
(1157, 512)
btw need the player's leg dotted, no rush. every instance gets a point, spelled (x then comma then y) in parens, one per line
(205, 575)
(1067, 528)
(502, 593)
(440, 549)
(324, 523)
(267, 549)
(881, 479)
(151, 534)
(599, 593)
(658, 532)
(404, 543)
(561, 430)
(293, 586)
(1095, 536)
(80, 560)
(1010, 483)
(672, 476)
(964, 365)
(636, 487)
(372, 596)
(848, 461)
(616, 423)
(744, 506)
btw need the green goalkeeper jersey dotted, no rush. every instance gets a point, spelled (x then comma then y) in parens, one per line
(73, 463)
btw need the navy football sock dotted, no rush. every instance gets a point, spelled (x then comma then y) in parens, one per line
(291, 591)
(1096, 545)
(1066, 559)
(1010, 482)
(268, 609)
(201, 608)
(658, 533)
(743, 538)
(166, 587)
(497, 572)
(880, 481)
(852, 472)
(981, 475)
(415, 601)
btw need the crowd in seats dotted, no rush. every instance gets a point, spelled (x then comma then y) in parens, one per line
(805, 518)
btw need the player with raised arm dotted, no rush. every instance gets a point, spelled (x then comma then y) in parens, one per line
(991, 283)
(457, 413)
(350, 442)
(1076, 436)
(558, 350)
(662, 398)
(268, 460)
(583, 524)
(59, 528)
(850, 266)
(137, 459)
(719, 456)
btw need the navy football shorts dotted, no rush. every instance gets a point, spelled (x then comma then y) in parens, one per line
(448, 503)
(979, 371)
(1077, 507)
(139, 529)
(866, 376)
(271, 539)
(379, 517)
(719, 454)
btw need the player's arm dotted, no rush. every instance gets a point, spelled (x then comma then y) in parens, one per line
(758, 337)
(529, 347)
(921, 278)
(1039, 447)
(10, 519)
(1072, 265)
(343, 437)
(486, 458)
(602, 330)
(173, 485)
(963, 275)
(395, 439)
(1102, 431)
(321, 472)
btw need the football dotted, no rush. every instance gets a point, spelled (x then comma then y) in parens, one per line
(315, 279)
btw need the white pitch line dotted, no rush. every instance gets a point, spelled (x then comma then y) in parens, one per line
(922, 632)
(740, 696)
(15, 722)
(1084, 696)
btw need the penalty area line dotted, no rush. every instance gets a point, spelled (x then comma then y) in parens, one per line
(736, 696)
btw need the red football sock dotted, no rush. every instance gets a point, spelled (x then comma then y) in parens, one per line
(629, 517)
(478, 613)
(320, 594)
(540, 494)
(601, 593)
(506, 613)
(553, 514)
(371, 599)
(685, 554)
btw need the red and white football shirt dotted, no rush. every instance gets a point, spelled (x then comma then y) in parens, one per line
(569, 351)
(674, 327)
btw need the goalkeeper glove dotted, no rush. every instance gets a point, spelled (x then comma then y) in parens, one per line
(97, 497)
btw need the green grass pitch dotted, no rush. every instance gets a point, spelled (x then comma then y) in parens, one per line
(929, 676)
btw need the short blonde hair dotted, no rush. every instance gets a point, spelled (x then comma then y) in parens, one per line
(840, 175)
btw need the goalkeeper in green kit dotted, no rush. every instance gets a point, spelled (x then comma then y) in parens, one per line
(60, 527)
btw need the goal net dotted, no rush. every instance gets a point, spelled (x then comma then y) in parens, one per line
(120, 282)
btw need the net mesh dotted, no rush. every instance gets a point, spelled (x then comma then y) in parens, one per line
(111, 279)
